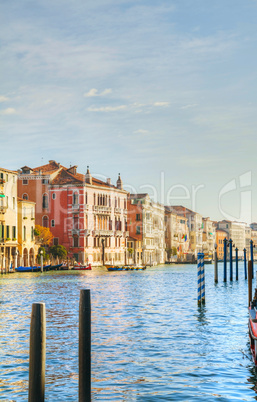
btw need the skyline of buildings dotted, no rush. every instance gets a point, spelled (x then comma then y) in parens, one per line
(101, 223)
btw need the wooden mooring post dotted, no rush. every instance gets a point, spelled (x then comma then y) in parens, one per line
(37, 353)
(85, 346)
(250, 281)
(215, 265)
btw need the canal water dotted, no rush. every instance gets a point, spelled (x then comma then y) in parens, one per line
(150, 340)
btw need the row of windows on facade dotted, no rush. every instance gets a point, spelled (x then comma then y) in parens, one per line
(5, 177)
(102, 223)
(102, 200)
(97, 242)
(5, 202)
(6, 231)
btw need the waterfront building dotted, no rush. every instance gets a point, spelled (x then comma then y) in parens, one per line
(146, 224)
(134, 250)
(209, 237)
(8, 217)
(27, 249)
(176, 235)
(220, 236)
(195, 226)
(238, 233)
(86, 215)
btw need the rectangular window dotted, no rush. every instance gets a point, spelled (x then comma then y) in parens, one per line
(24, 181)
(6, 177)
(13, 179)
(44, 181)
(7, 203)
(138, 230)
(32, 233)
(13, 202)
(53, 196)
(2, 231)
(52, 223)
(14, 232)
(56, 241)
(8, 232)
(75, 241)
(138, 217)
(24, 233)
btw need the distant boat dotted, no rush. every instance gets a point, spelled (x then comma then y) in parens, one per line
(35, 268)
(126, 268)
(82, 267)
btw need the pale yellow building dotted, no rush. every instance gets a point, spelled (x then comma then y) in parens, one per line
(26, 237)
(8, 218)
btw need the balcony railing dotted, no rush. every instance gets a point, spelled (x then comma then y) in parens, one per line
(118, 233)
(102, 209)
(75, 207)
(75, 232)
(126, 234)
(105, 233)
(117, 210)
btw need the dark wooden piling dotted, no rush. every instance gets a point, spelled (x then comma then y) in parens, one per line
(37, 353)
(85, 346)
(215, 266)
(250, 281)
(236, 264)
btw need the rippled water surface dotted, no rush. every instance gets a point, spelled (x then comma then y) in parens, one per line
(150, 340)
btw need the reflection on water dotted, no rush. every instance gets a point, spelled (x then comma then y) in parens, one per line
(150, 339)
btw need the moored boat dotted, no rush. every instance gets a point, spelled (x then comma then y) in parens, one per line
(31, 269)
(252, 323)
(82, 267)
(126, 268)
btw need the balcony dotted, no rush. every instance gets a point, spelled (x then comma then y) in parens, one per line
(3, 209)
(104, 233)
(126, 234)
(117, 210)
(101, 209)
(75, 232)
(118, 233)
(75, 207)
(2, 181)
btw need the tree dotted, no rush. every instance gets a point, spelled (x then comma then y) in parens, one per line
(45, 256)
(58, 251)
(43, 235)
(174, 251)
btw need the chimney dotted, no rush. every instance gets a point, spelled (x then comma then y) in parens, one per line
(88, 177)
(73, 169)
(58, 164)
(108, 181)
(119, 183)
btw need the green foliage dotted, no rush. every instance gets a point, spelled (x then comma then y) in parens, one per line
(45, 256)
(58, 251)
(174, 251)
(130, 251)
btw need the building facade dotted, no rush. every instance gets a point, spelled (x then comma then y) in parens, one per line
(146, 224)
(8, 218)
(176, 235)
(86, 215)
(220, 236)
(26, 239)
(209, 237)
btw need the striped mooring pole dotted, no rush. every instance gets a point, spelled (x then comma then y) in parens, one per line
(200, 278)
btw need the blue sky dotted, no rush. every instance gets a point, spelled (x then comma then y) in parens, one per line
(158, 91)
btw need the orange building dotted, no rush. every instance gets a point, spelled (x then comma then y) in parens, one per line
(220, 236)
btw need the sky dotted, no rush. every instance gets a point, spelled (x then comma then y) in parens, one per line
(162, 92)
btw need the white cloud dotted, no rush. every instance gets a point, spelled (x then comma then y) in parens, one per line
(3, 98)
(189, 106)
(94, 92)
(106, 108)
(8, 111)
(141, 131)
(162, 104)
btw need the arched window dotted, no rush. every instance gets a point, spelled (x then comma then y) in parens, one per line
(52, 223)
(125, 203)
(25, 196)
(85, 197)
(75, 198)
(45, 221)
(110, 202)
(45, 201)
(115, 202)
(94, 198)
(24, 233)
